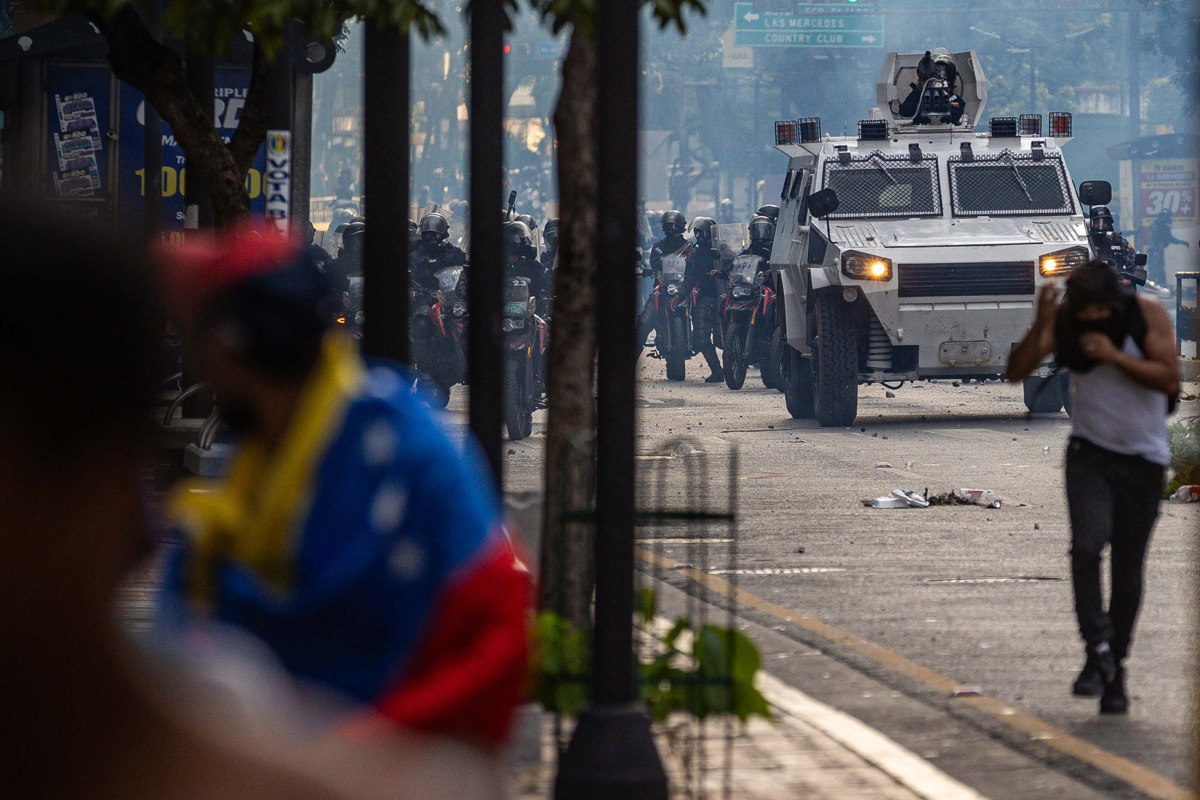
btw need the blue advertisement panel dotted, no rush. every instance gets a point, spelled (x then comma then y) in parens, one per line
(78, 100)
(229, 99)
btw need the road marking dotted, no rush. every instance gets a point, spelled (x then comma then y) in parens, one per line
(1139, 777)
(902, 765)
(1012, 579)
(776, 571)
(685, 541)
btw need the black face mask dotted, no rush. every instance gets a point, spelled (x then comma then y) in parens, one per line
(1068, 328)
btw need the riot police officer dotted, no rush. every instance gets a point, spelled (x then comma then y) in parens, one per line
(1111, 245)
(522, 260)
(704, 273)
(348, 263)
(762, 236)
(433, 251)
(725, 212)
(673, 243)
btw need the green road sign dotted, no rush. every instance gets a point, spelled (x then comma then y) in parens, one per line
(825, 28)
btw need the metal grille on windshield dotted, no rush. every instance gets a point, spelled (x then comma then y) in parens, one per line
(876, 186)
(1008, 184)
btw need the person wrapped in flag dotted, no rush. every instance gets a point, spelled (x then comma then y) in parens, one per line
(350, 535)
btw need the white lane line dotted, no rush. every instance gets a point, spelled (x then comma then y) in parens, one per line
(684, 541)
(905, 767)
(776, 571)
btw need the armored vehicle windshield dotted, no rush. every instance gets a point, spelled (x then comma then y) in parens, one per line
(878, 186)
(1009, 184)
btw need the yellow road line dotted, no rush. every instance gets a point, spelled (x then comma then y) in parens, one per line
(1139, 777)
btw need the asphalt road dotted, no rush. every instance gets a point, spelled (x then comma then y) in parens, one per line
(981, 596)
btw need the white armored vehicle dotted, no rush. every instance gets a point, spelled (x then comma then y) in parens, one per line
(916, 249)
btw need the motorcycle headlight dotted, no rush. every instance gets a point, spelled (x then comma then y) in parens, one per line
(741, 291)
(458, 309)
(1062, 262)
(511, 324)
(866, 267)
(672, 289)
(359, 317)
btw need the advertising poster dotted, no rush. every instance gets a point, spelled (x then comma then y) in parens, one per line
(79, 113)
(1168, 185)
(228, 100)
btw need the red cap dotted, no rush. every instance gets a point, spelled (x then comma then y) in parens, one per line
(196, 271)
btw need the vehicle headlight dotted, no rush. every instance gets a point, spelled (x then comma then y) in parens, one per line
(866, 267)
(1063, 261)
(510, 324)
(359, 317)
(458, 309)
(672, 289)
(741, 291)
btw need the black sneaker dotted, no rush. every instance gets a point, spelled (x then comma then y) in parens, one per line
(1097, 671)
(1114, 701)
(716, 377)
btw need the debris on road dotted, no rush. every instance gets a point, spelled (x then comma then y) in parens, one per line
(900, 498)
(966, 497)
(883, 465)
(890, 395)
(1187, 494)
(684, 450)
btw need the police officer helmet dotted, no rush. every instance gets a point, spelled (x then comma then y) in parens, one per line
(435, 225)
(550, 232)
(726, 203)
(705, 228)
(517, 237)
(771, 212)
(353, 233)
(762, 230)
(673, 223)
(1100, 218)
(529, 221)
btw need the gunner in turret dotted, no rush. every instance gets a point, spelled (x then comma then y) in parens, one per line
(934, 96)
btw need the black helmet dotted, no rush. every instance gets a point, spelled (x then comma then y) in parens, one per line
(353, 232)
(769, 211)
(705, 227)
(762, 230)
(529, 221)
(550, 232)
(673, 223)
(1100, 219)
(436, 224)
(517, 237)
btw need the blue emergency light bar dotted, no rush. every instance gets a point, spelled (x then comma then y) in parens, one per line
(810, 129)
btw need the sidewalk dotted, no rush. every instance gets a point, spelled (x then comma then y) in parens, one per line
(808, 750)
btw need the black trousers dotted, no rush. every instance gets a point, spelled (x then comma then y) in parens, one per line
(706, 330)
(1113, 500)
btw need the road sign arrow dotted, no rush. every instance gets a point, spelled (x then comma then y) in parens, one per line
(869, 39)
(750, 16)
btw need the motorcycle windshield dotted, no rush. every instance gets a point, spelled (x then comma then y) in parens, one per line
(673, 269)
(448, 278)
(744, 270)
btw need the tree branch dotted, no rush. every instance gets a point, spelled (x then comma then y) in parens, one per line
(157, 72)
(252, 125)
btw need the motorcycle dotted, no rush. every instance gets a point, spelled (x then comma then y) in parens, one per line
(438, 331)
(351, 314)
(748, 314)
(525, 341)
(673, 308)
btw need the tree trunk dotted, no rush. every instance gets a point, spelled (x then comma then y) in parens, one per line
(157, 72)
(566, 563)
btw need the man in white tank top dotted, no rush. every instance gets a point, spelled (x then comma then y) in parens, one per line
(1120, 350)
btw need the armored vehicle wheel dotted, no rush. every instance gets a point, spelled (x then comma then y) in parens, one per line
(1044, 395)
(678, 352)
(836, 386)
(797, 382)
(518, 411)
(733, 360)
